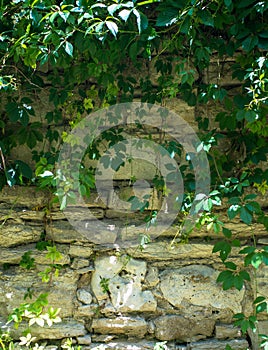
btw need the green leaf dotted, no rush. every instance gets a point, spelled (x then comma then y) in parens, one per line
(258, 300)
(142, 20)
(224, 248)
(245, 275)
(69, 48)
(24, 168)
(113, 28)
(261, 307)
(206, 18)
(250, 196)
(13, 112)
(167, 17)
(238, 282)
(234, 200)
(245, 215)
(250, 42)
(233, 211)
(228, 4)
(124, 14)
(227, 233)
(256, 260)
(253, 207)
(230, 265)
(250, 116)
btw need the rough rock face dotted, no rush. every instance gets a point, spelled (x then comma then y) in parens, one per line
(124, 284)
(183, 329)
(121, 325)
(196, 285)
(128, 299)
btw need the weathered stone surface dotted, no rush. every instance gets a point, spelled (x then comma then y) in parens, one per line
(196, 285)
(129, 345)
(13, 255)
(88, 311)
(80, 251)
(19, 215)
(237, 344)
(80, 231)
(64, 329)
(124, 282)
(16, 234)
(152, 278)
(130, 326)
(262, 280)
(179, 328)
(225, 331)
(79, 263)
(78, 213)
(84, 296)
(15, 282)
(28, 197)
(163, 251)
(86, 340)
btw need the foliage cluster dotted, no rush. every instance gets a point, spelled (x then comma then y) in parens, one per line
(86, 55)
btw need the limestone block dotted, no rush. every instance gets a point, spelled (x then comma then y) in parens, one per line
(64, 329)
(237, 344)
(79, 263)
(19, 214)
(13, 255)
(262, 280)
(152, 278)
(174, 327)
(196, 285)
(84, 296)
(225, 331)
(86, 340)
(88, 311)
(16, 234)
(134, 344)
(164, 251)
(80, 251)
(28, 197)
(78, 213)
(130, 326)
(263, 327)
(80, 231)
(15, 282)
(125, 279)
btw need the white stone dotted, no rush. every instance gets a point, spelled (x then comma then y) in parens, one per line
(125, 279)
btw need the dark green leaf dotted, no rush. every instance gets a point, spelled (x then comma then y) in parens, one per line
(245, 215)
(233, 211)
(206, 18)
(69, 48)
(167, 17)
(227, 233)
(250, 42)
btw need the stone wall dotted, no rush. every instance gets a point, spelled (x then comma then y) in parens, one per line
(159, 293)
(163, 292)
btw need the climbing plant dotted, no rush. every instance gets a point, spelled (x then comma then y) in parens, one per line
(71, 58)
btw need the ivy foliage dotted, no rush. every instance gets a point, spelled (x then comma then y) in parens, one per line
(79, 53)
(85, 55)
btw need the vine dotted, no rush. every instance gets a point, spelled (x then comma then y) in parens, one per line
(82, 56)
